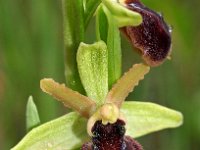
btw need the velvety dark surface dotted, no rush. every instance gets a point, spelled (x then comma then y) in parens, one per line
(111, 137)
(152, 37)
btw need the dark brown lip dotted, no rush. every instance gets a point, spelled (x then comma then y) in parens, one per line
(111, 137)
(152, 37)
(108, 136)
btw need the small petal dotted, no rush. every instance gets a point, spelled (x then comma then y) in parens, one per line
(70, 98)
(126, 84)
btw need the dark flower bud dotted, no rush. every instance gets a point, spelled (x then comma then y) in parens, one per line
(111, 137)
(152, 37)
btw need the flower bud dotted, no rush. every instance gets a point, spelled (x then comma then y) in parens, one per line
(152, 37)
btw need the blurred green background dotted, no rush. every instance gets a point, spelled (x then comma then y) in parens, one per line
(31, 48)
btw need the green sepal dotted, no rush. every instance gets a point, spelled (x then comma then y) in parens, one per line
(144, 118)
(122, 15)
(93, 70)
(32, 116)
(66, 132)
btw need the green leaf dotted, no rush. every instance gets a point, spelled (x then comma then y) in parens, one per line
(126, 84)
(122, 15)
(114, 49)
(93, 69)
(68, 97)
(67, 132)
(143, 118)
(32, 116)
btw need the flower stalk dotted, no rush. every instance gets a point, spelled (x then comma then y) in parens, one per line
(74, 32)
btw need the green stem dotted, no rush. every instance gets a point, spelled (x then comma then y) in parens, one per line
(90, 8)
(73, 35)
(114, 50)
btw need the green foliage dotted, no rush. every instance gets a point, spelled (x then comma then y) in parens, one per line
(32, 116)
(66, 132)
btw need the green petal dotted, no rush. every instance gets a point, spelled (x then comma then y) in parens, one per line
(32, 116)
(66, 132)
(126, 84)
(93, 69)
(123, 16)
(143, 118)
(68, 97)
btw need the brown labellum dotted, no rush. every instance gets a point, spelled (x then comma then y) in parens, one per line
(152, 37)
(111, 137)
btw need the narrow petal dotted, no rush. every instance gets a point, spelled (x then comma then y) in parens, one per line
(126, 84)
(70, 98)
